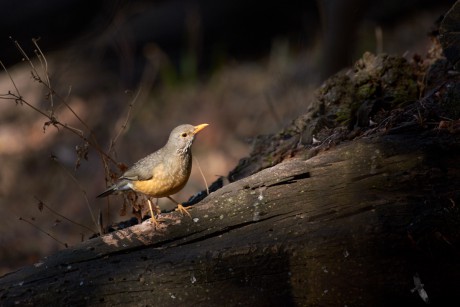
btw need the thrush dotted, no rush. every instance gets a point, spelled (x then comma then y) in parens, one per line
(164, 172)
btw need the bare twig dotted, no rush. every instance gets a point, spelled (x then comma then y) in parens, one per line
(125, 123)
(45, 232)
(42, 204)
(44, 64)
(85, 196)
(11, 78)
(202, 175)
(41, 74)
(52, 119)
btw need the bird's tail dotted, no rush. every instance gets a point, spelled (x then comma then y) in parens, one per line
(107, 192)
(119, 186)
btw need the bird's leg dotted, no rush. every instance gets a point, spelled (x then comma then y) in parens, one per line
(180, 208)
(153, 219)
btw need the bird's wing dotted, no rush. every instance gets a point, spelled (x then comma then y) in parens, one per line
(142, 169)
(137, 173)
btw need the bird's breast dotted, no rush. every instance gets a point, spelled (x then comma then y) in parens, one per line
(168, 178)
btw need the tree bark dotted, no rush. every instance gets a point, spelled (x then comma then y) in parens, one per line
(350, 226)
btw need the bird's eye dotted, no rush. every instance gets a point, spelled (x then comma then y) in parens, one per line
(183, 135)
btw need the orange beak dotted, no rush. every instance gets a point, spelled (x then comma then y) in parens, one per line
(199, 128)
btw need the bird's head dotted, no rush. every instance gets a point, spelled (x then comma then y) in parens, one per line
(181, 138)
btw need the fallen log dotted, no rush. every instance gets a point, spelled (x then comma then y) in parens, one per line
(350, 226)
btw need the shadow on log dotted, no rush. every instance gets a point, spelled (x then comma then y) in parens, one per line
(373, 220)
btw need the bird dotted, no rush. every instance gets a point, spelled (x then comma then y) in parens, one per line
(162, 173)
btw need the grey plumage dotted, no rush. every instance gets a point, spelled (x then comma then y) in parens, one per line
(163, 172)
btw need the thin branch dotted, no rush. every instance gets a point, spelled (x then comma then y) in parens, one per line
(125, 124)
(11, 78)
(43, 78)
(44, 63)
(202, 175)
(42, 231)
(62, 216)
(85, 196)
(24, 54)
(55, 122)
(18, 98)
(51, 117)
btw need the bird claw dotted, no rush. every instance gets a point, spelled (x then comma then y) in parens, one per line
(182, 210)
(154, 221)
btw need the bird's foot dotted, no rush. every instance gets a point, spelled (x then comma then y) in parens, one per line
(154, 221)
(182, 210)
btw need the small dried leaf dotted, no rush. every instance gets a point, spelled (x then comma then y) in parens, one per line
(52, 122)
(82, 153)
(56, 222)
(40, 205)
(113, 176)
(123, 167)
